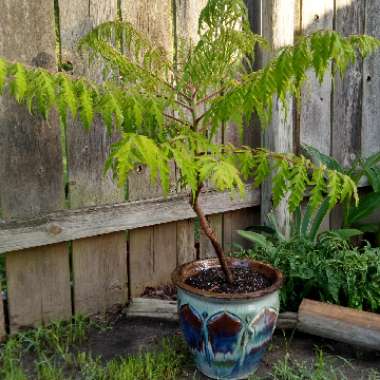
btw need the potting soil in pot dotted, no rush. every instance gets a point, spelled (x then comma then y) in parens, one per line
(246, 280)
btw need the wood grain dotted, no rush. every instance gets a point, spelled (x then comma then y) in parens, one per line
(31, 174)
(99, 263)
(155, 19)
(238, 220)
(92, 221)
(340, 323)
(315, 111)
(370, 133)
(347, 96)
(185, 242)
(186, 14)
(206, 250)
(278, 27)
(38, 286)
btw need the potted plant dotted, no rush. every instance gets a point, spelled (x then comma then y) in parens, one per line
(169, 112)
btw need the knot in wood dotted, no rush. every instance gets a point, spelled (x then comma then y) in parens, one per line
(54, 229)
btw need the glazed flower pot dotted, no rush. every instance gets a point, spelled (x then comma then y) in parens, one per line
(227, 333)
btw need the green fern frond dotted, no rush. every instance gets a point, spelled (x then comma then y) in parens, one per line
(138, 57)
(86, 105)
(66, 97)
(260, 167)
(19, 84)
(319, 187)
(297, 183)
(280, 181)
(334, 187)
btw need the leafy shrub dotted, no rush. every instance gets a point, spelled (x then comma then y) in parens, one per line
(329, 270)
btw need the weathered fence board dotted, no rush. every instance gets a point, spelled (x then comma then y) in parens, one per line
(76, 224)
(347, 100)
(186, 14)
(155, 18)
(370, 133)
(31, 172)
(99, 263)
(185, 241)
(315, 112)
(278, 18)
(38, 286)
(347, 96)
(206, 250)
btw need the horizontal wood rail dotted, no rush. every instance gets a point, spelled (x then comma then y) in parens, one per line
(70, 225)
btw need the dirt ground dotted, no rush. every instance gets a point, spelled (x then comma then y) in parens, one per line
(130, 336)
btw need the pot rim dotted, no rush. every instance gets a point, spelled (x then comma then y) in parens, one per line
(184, 271)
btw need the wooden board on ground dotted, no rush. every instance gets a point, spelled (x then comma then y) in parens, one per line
(31, 172)
(167, 310)
(340, 323)
(370, 134)
(99, 263)
(315, 111)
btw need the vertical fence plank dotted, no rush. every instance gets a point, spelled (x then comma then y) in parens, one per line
(315, 111)
(99, 263)
(371, 85)
(206, 250)
(186, 29)
(152, 251)
(185, 242)
(31, 174)
(347, 96)
(187, 14)
(278, 28)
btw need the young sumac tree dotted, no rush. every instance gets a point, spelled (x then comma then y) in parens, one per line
(170, 111)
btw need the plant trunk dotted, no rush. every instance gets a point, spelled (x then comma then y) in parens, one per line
(210, 233)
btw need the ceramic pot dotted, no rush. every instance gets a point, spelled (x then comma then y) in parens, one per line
(227, 333)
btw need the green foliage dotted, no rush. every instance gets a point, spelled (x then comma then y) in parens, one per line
(158, 106)
(329, 270)
(54, 353)
(354, 214)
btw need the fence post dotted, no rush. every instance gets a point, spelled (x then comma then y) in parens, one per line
(278, 25)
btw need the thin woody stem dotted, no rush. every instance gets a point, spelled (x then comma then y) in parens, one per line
(210, 233)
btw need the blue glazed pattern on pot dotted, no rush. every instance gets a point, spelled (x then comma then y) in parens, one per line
(228, 338)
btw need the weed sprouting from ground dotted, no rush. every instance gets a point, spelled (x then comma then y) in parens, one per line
(56, 353)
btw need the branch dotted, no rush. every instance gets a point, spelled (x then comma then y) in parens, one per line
(177, 120)
(211, 96)
(210, 233)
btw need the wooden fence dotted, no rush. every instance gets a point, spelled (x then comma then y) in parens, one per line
(72, 241)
